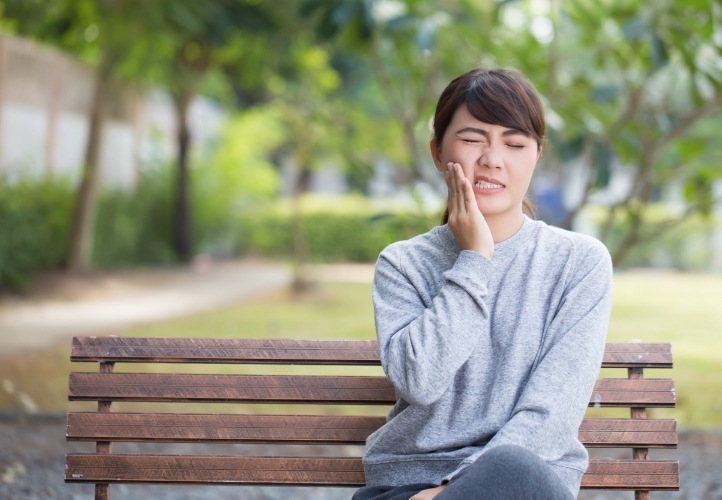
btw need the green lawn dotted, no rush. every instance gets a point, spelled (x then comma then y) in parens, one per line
(679, 308)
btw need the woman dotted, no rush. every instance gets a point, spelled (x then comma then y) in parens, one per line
(492, 326)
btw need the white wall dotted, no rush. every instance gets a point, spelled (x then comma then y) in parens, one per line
(45, 99)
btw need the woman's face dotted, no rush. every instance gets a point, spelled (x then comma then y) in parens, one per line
(497, 160)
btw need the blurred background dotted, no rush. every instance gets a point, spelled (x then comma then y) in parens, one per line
(264, 152)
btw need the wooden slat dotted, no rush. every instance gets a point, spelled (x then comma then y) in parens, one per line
(166, 427)
(637, 355)
(230, 388)
(316, 471)
(86, 386)
(302, 351)
(230, 350)
(632, 475)
(646, 393)
(208, 469)
(318, 429)
(620, 432)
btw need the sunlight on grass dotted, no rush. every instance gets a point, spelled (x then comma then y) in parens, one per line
(683, 309)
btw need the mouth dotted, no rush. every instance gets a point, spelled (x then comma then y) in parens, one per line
(485, 184)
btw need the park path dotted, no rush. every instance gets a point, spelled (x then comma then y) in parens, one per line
(57, 308)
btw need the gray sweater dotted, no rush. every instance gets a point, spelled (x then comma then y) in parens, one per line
(487, 352)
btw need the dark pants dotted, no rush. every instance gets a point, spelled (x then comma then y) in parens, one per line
(505, 472)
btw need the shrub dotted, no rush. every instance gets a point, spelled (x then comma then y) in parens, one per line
(135, 227)
(345, 229)
(34, 227)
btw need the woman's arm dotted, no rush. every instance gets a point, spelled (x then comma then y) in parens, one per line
(423, 345)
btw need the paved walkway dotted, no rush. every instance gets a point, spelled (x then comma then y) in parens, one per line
(104, 303)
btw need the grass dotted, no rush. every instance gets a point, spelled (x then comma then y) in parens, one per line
(683, 309)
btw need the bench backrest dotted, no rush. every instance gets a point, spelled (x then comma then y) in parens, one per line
(287, 386)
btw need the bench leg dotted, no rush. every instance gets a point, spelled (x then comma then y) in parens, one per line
(102, 491)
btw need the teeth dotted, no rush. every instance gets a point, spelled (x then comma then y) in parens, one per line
(487, 185)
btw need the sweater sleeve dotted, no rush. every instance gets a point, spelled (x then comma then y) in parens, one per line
(551, 407)
(423, 345)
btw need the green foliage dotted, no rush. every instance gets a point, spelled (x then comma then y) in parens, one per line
(345, 229)
(134, 227)
(34, 226)
(685, 245)
(237, 175)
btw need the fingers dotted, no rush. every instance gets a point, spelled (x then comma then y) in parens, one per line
(469, 197)
(458, 187)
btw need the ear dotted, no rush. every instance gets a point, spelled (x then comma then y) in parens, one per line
(436, 155)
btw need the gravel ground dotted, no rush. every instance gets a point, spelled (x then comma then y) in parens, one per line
(32, 449)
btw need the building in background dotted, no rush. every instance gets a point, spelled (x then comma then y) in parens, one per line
(45, 99)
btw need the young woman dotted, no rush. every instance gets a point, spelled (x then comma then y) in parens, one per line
(492, 326)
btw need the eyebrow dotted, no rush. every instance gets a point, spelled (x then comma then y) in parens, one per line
(507, 132)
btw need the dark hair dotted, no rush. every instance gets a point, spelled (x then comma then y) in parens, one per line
(497, 96)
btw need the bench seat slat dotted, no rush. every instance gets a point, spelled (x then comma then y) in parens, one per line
(230, 388)
(302, 351)
(648, 393)
(632, 474)
(225, 350)
(209, 469)
(315, 471)
(319, 429)
(620, 432)
(165, 427)
(85, 386)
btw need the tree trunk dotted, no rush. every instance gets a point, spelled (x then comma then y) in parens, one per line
(302, 281)
(3, 73)
(183, 237)
(83, 223)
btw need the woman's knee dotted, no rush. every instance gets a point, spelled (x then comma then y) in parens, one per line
(507, 471)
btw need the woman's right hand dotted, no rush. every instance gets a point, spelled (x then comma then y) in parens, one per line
(429, 494)
(465, 219)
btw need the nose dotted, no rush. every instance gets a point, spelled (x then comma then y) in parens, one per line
(491, 157)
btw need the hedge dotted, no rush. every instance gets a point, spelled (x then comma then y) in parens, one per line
(332, 234)
(34, 227)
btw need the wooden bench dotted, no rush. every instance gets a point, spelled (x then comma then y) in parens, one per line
(216, 385)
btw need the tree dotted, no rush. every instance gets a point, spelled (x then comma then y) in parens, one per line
(633, 93)
(105, 33)
(191, 41)
(630, 86)
(405, 54)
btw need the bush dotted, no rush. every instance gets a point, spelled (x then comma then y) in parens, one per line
(34, 227)
(35, 223)
(346, 229)
(135, 227)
